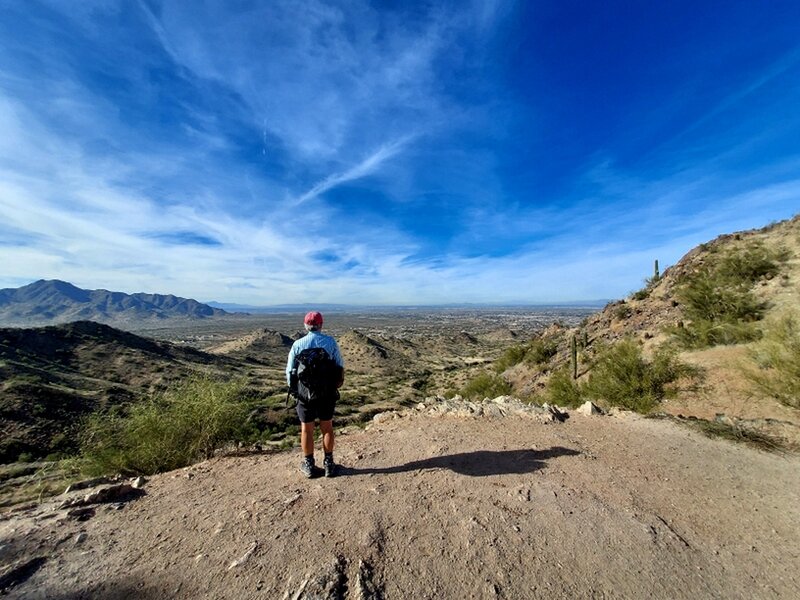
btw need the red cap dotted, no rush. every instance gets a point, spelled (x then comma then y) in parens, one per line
(314, 319)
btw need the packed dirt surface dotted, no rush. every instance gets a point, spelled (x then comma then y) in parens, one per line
(439, 507)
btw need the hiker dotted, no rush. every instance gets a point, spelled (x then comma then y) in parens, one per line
(315, 372)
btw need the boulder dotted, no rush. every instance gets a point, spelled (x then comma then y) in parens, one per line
(589, 408)
(113, 493)
(120, 492)
(385, 416)
(88, 483)
(83, 513)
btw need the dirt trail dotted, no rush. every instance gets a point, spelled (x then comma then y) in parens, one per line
(596, 507)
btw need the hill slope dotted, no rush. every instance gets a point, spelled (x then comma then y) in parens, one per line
(596, 507)
(767, 263)
(51, 377)
(52, 302)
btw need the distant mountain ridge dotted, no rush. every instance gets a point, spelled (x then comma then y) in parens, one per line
(50, 302)
(366, 308)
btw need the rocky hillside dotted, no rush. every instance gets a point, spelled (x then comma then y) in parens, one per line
(50, 377)
(764, 266)
(52, 302)
(257, 345)
(649, 313)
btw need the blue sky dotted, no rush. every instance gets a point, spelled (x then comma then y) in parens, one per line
(267, 152)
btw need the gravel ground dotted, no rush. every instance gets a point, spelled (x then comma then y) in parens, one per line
(439, 507)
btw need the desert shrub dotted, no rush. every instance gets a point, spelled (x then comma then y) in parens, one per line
(718, 299)
(540, 351)
(751, 263)
(512, 356)
(536, 352)
(562, 390)
(704, 333)
(652, 281)
(777, 357)
(731, 431)
(486, 385)
(622, 312)
(622, 377)
(641, 294)
(709, 297)
(182, 425)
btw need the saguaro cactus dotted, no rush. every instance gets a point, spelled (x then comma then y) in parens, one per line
(656, 273)
(574, 350)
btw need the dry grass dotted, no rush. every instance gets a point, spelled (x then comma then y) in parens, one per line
(735, 433)
(777, 357)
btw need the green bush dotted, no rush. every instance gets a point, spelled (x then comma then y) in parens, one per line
(703, 333)
(184, 424)
(622, 312)
(718, 299)
(540, 351)
(512, 356)
(709, 297)
(778, 359)
(622, 377)
(562, 390)
(536, 352)
(751, 263)
(486, 385)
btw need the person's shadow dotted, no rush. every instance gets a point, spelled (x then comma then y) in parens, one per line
(479, 463)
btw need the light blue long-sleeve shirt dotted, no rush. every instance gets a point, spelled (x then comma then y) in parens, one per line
(314, 339)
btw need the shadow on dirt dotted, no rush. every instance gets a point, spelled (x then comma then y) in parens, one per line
(20, 572)
(475, 464)
(127, 588)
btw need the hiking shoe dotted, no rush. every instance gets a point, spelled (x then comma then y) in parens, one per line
(307, 469)
(331, 468)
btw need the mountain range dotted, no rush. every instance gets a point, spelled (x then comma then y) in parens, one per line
(386, 308)
(49, 302)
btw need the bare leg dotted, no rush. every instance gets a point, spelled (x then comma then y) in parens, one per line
(327, 435)
(307, 438)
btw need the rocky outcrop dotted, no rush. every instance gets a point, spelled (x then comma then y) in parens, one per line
(589, 408)
(120, 492)
(493, 408)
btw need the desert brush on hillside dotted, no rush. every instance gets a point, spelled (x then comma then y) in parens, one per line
(716, 334)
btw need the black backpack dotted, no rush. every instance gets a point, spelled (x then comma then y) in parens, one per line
(315, 375)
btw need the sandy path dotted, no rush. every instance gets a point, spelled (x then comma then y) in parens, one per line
(597, 507)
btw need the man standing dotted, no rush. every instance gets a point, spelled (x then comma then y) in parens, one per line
(316, 400)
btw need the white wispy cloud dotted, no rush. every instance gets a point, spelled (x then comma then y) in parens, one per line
(364, 168)
(329, 96)
(317, 83)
